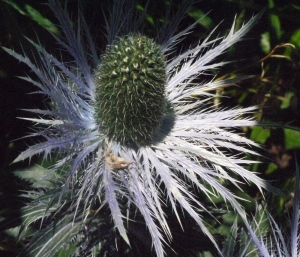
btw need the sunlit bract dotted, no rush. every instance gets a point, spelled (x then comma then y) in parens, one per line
(129, 128)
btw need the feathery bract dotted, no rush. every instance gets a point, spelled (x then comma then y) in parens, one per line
(131, 129)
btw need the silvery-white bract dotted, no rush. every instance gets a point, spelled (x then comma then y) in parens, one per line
(131, 129)
(262, 236)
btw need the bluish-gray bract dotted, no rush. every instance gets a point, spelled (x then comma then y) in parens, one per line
(135, 94)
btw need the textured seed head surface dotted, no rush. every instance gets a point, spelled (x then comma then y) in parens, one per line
(130, 84)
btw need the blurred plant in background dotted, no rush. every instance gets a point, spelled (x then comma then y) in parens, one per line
(263, 236)
(273, 89)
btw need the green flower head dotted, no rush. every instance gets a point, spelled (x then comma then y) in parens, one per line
(130, 83)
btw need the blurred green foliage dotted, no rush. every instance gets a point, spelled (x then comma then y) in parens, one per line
(35, 15)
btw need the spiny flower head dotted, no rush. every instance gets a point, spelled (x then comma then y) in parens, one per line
(131, 130)
(130, 84)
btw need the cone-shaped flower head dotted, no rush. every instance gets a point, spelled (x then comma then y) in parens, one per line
(130, 85)
(132, 128)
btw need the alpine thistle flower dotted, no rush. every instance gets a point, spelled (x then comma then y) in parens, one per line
(131, 128)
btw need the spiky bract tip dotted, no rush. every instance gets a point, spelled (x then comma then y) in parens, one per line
(130, 84)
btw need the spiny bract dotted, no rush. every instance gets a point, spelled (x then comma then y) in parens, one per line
(131, 132)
